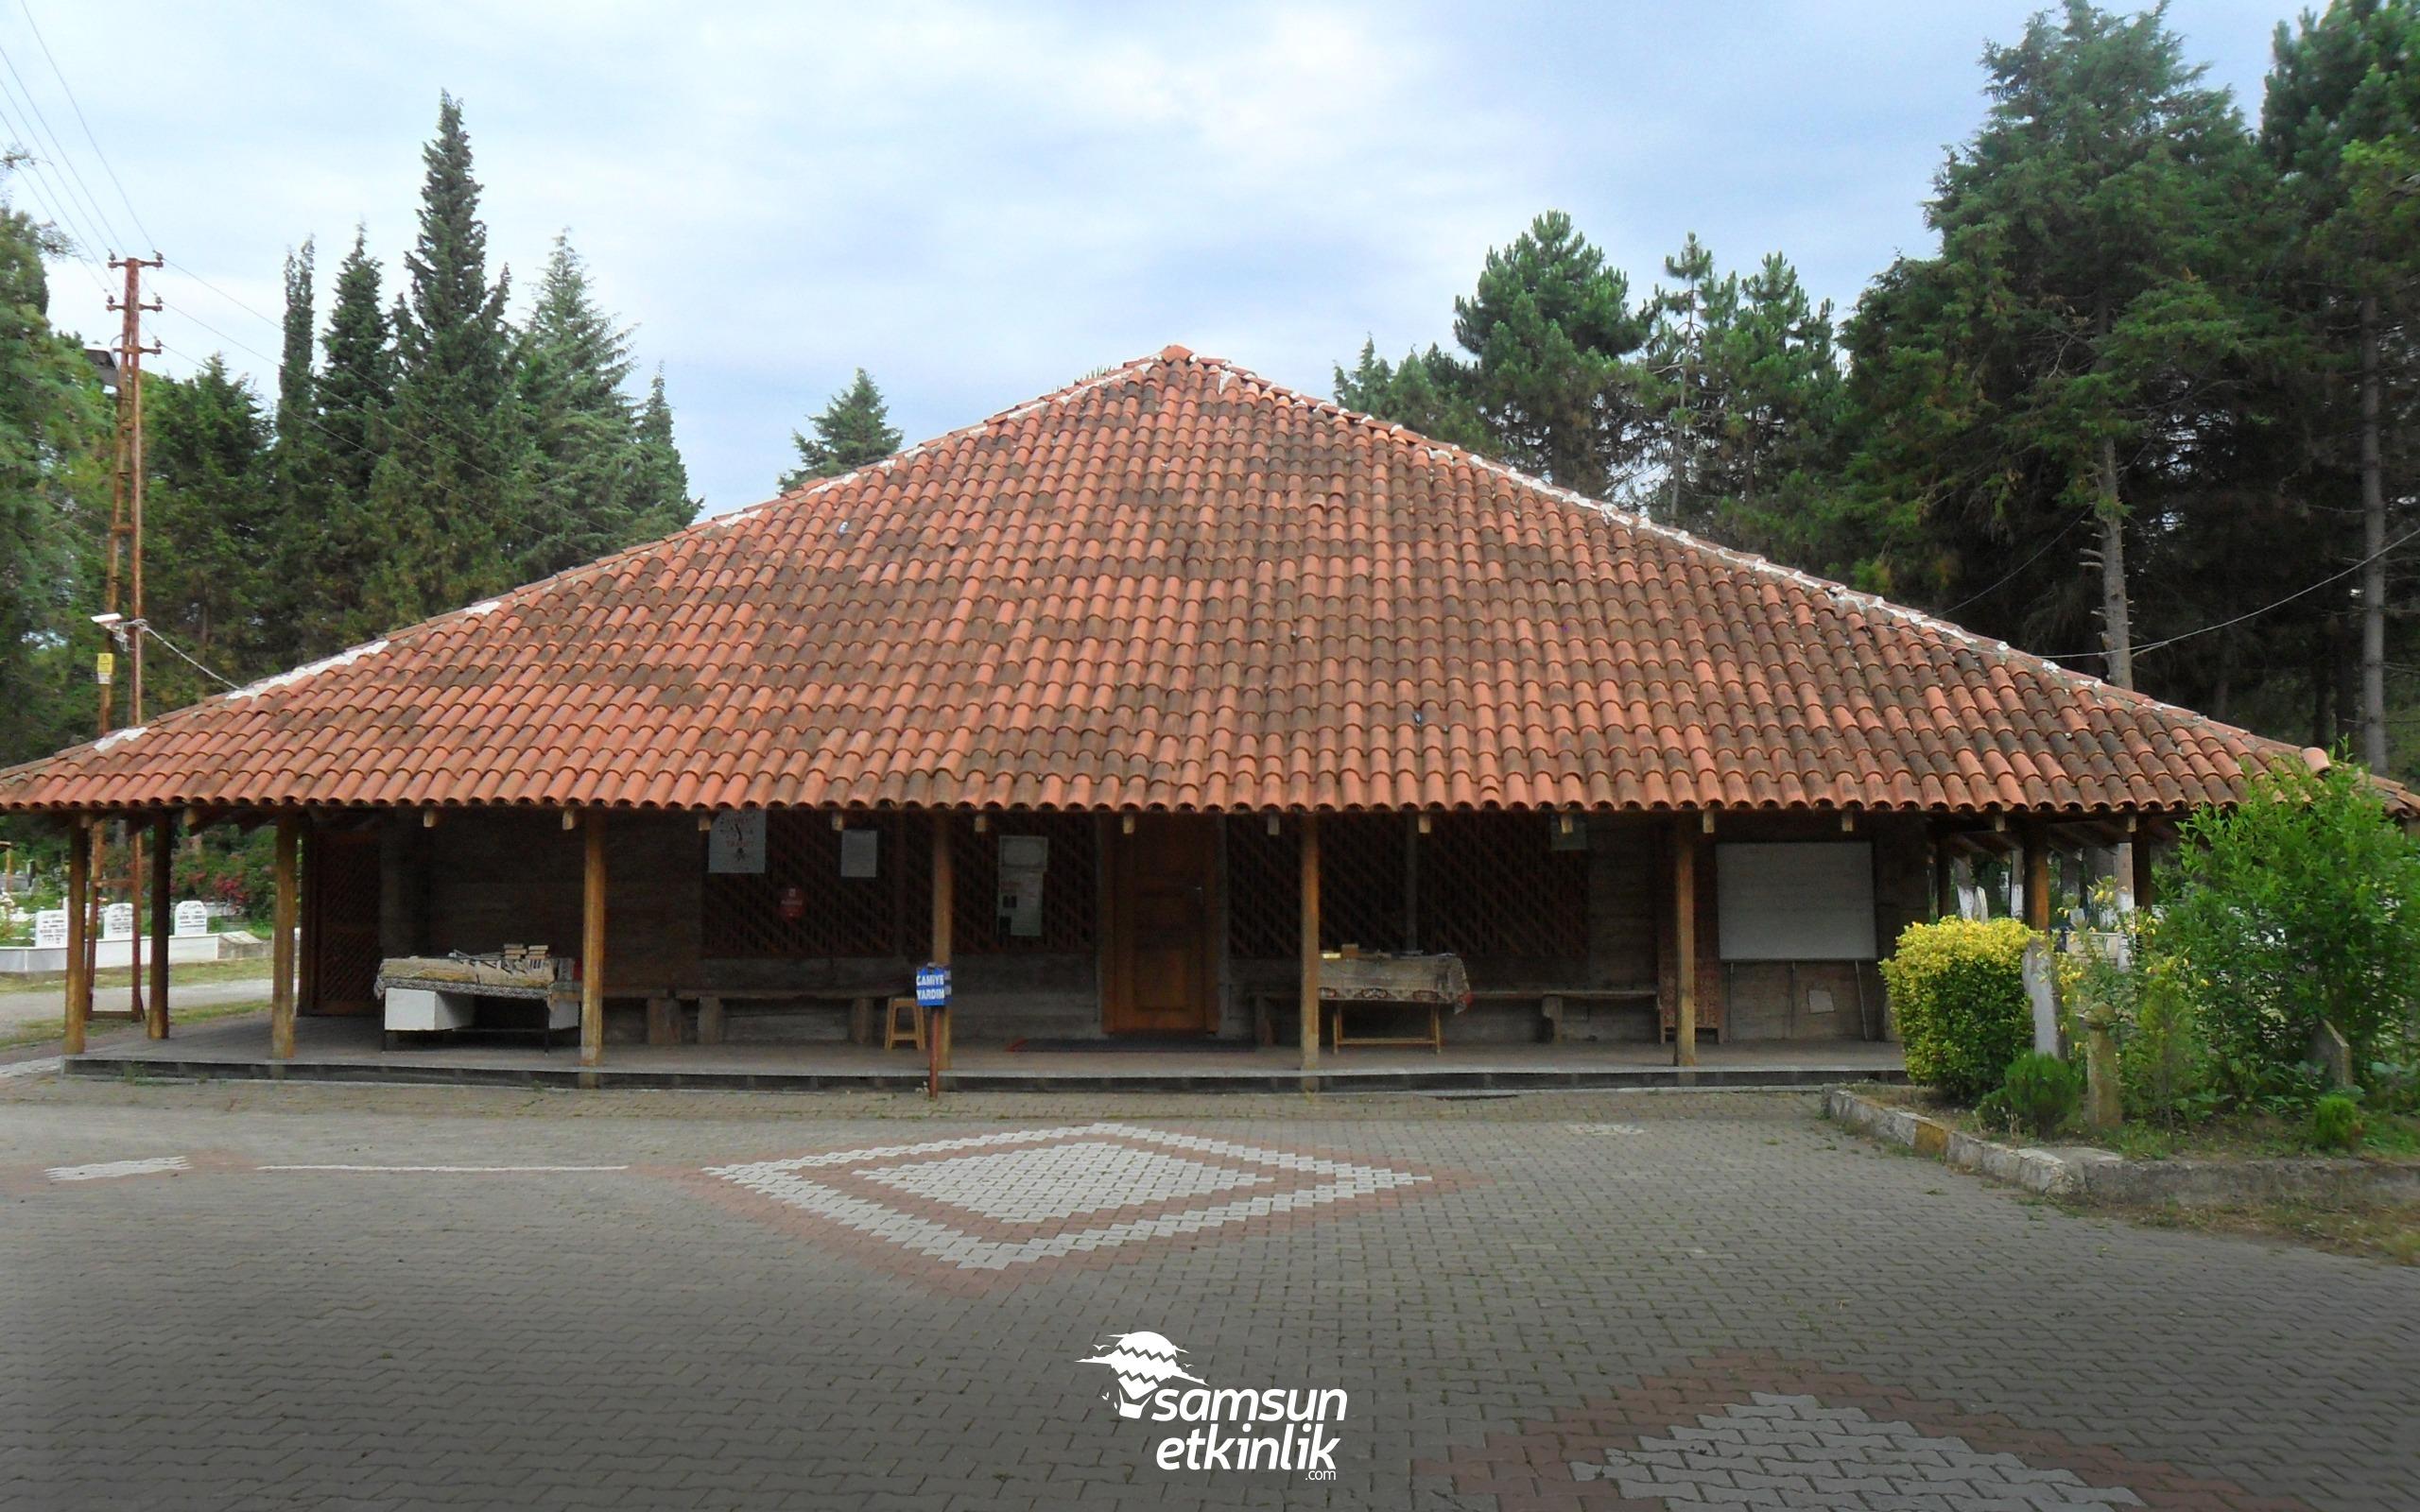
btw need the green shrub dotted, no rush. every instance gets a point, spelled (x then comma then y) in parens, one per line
(2335, 1122)
(1958, 991)
(2299, 905)
(2040, 1092)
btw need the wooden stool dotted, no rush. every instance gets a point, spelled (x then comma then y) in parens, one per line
(893, 1036)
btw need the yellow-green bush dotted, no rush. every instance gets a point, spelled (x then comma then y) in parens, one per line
(1958, 991)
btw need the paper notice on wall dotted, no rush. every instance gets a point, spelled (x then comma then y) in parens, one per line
(1024, 859)
(737, 843)
(860, 853)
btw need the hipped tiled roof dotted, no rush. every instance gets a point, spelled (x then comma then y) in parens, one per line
(1174, 586)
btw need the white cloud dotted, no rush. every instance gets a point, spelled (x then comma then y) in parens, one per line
(978, 203)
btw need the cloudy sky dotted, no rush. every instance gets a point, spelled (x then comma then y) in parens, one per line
(980, 203)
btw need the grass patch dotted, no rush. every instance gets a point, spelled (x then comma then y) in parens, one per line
(50, 1031)
(2237, 1137)
(2387, 1233)
(122, 977)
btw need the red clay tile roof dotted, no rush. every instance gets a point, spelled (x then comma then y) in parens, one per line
(1173, 586)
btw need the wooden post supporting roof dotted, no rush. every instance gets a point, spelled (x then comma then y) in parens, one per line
(2141, 848)
(1945, 880)
(592, 941)
(1308, 848)
(282, 920)
(2037, 875)
(944, 918)
(1685, 939)
(79, 965)
(164, 840)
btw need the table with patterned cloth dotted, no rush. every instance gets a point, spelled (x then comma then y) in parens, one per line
(486, 977)
(1433, 982)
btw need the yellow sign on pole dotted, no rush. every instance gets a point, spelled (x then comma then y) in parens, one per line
(103, 665)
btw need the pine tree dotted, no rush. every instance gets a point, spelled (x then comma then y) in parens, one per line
(1425, 392)
(583, 470)
(447, 496)
(2087, 309)
(1678, 386)
(2340, 120)
(1552, 334)
(852, 431)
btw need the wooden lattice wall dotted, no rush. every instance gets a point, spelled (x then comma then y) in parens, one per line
(1070, 907)
(1491, 885)
(1488, 884)
(889, 914)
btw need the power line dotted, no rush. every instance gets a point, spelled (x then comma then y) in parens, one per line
(2254, 613)
(180, 654)
(65, 89)
(2064, 532)
(66, 163)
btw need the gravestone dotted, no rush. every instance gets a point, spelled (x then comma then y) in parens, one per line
(193, 917)
(2042, 992)
(50, 929)
(117, 921)
(2333, 1054)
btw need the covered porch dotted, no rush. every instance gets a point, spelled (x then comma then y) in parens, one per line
(757, 942)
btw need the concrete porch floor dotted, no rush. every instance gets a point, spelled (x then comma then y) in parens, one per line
(349, 1050)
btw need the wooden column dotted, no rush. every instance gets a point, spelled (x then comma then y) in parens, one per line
(592, 940)
(306, 942)
(2037, 875)
(1685, 939)
(80, 923)
(163, 843)
(282, 925)
(1945, 880)
(2140, 845)
(1308, 848)
(945, 919)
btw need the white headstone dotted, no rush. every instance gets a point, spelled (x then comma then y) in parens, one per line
(2041, 987)
(50, 929)
(193, 918)
(117, 921)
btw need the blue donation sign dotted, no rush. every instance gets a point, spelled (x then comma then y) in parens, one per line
(932, 986)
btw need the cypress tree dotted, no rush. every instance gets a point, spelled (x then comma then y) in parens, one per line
(216, 532)
(447, 496)
(662, 493)
(852, 430)
(356, 387)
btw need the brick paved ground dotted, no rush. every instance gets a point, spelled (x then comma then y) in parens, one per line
(1587, 1301)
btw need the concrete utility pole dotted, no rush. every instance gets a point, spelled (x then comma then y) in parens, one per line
(125, 625)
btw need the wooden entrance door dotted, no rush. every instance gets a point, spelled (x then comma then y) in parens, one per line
(1159, 937)
(344, 920)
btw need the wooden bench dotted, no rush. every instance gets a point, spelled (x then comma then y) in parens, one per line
(1264, 1001)
(1551, 1000)
(665, 1009)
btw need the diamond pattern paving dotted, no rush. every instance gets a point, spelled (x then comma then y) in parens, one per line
(1004, 1205)
(1060, 1180)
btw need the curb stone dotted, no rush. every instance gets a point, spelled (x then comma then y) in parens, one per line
(2081, 1171)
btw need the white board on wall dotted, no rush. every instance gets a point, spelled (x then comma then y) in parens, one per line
(1795, 901)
